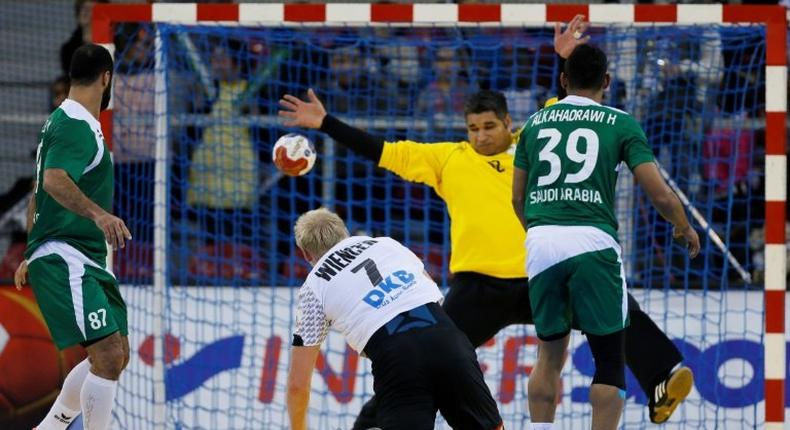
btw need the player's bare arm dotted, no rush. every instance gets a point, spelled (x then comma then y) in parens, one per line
(31, 210)
(519, 186)
(60, 186)
(311, 114)
(667, 204)
(300, 375)
(20, 275)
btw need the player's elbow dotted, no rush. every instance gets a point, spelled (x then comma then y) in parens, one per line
(663, 199)
(50, 181)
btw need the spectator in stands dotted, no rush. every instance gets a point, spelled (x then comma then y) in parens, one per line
(13, 220)
(223, 176)
(351, 82)
(688, 68)
(448, 90)
(399, 64)
(81, 35)
(13, 203)
(134, 143)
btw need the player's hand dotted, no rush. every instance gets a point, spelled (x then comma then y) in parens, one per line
(565, 42)
(687, 236)
(114, 229)
(298, 113)
(20, 276)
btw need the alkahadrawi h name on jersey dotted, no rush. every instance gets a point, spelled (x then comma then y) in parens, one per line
(572, 152)
(358, 286)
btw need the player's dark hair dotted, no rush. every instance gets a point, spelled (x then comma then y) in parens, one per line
(487, 101)
(586, 68)
(88, 63)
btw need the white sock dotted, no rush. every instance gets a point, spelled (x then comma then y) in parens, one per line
(97, 399)
(67, 405)
(541, 426)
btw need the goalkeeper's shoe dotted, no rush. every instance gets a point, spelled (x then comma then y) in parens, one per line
(669, 393)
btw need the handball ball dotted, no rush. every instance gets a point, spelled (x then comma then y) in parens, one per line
(294, 154)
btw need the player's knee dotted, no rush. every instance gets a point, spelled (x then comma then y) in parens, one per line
(608, 353)
(126, 354)
(109, 359)
(109, 364)
(125, 360)
(552, 352)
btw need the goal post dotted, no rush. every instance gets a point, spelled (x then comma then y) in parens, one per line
(198, 297)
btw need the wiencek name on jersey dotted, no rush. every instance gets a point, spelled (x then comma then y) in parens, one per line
(338, 260)
(546, 195)
(553, 115)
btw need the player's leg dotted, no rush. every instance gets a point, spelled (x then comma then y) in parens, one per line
(460, 391)
(401, 379)
(600, 305)
(481, 306)
(550, 302)
(97, 396)
(651, 356)
(543, 383)
(76, 310)
(644, 339)
(126, 351)
(607, 392)
(109, 354)
(67, 405)
(49, 278)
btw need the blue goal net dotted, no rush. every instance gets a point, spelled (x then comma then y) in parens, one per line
(213, 267)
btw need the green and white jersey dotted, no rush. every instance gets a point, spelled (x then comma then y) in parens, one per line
(572, 151)
(72, 140)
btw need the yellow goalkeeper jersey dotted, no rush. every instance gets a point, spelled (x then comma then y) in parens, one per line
(486, 236)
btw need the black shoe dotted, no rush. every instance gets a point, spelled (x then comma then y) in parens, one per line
(668, 394)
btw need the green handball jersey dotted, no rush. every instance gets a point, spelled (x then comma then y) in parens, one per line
(572, 152)
(72, 140)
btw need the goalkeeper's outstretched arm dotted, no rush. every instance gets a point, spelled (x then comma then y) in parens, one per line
(311, 114)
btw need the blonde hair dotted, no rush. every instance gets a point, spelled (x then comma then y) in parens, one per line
(318, 230)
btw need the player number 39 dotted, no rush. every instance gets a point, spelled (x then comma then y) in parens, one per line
(98, 319)
(588, 159)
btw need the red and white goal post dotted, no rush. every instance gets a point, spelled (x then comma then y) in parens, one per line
(773, 18)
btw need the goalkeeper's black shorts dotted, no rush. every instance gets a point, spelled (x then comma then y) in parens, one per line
(481, 306)
(422, 363)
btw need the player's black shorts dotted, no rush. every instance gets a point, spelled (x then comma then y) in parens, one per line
(482, 305)
(421, 362)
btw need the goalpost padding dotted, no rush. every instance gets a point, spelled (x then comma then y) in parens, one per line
(106, 16)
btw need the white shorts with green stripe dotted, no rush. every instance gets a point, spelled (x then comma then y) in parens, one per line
(575, 275)
(80, 300)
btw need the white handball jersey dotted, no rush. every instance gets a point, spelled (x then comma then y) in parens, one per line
(358, 286)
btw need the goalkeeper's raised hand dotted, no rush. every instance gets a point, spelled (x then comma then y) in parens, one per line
(566, 41)
(299, 113)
